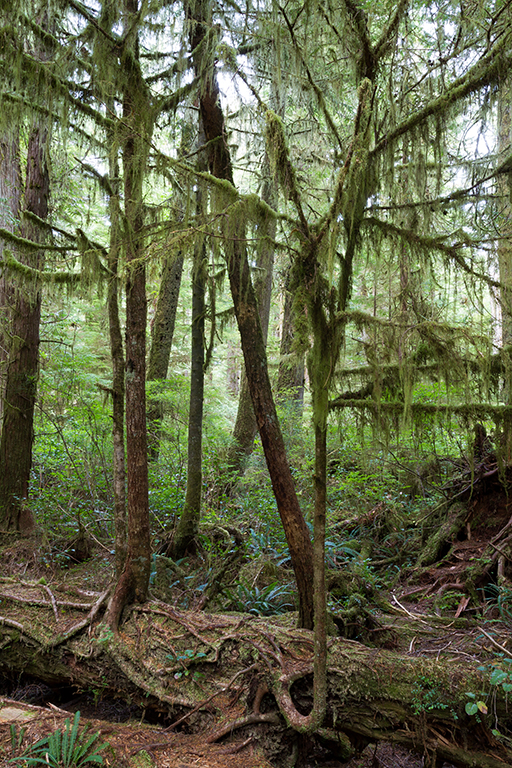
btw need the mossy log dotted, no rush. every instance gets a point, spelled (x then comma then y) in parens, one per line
(219, 674)
(438, 545)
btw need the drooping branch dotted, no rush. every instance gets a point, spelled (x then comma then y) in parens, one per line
(487, 70)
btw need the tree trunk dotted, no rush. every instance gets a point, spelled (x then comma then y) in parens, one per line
(135, 137)
(246, 428)
(161, 343)
(253, 345)
(188, 525)
(10, 201)
(290, 377)
(23, 366)
(118, 365)
(373, 694)
(505, 207)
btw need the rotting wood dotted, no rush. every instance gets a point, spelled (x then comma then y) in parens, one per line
(218, 674)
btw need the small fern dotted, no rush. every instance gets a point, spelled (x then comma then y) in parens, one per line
(62, 749)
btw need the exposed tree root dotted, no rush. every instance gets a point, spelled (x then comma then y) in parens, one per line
(221, 674)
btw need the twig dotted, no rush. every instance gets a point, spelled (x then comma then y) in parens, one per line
(12, 623)
(491, 640)
(237, 747)
(38, 601)
(411, 615)
(81, 624)
(54, 603)
(501, 552)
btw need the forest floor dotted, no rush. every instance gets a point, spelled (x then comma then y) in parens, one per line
(411, 624)
(431, 614)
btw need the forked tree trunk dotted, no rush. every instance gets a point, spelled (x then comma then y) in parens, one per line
(23, 365)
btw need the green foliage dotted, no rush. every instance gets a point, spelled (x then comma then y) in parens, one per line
(499, 674)
(271, 600)
(475, 706)
(429, 695)
(184, 660)
(501, 596)
(67, 748)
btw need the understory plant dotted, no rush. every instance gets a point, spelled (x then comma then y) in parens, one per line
(66, 748)
(271, 600)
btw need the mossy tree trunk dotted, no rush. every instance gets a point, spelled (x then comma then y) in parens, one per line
(246, 311)
(10, 203)
(23, 364)
(184, 539)
(505, 208)
(136, 130)
(162, 334)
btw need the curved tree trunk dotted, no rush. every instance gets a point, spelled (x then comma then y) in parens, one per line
(253, 345)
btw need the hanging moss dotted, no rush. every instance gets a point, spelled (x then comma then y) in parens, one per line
(29, 274)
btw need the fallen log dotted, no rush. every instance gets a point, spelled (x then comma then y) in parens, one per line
(235, 674)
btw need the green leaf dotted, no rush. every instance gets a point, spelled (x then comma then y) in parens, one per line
(471, 708)
(498, 676)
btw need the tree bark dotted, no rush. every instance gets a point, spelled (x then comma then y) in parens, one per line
(188, 524)
(10, 203)
(253, 345)
(161, 342)
(23, 366)
(136, 130)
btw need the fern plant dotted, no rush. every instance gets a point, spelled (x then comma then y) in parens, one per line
(271, 600)
(63, 749)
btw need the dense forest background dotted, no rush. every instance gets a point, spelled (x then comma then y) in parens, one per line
(256, 300)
